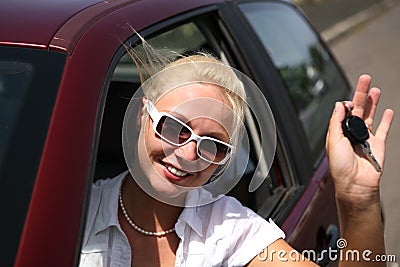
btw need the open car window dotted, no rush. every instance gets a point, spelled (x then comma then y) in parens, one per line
(184, 39)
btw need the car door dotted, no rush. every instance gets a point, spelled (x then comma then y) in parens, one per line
(217, 30)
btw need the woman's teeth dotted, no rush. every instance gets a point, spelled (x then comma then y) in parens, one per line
(176, 172)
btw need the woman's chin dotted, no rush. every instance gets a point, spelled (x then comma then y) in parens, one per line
(164, 190)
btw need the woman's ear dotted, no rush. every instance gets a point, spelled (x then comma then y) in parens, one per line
(140, 114)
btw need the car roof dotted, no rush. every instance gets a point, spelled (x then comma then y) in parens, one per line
(36, 23)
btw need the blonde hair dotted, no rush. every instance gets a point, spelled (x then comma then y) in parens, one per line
(201, 68)
(160, 74)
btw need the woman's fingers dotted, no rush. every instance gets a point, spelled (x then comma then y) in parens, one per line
(361, 95)
(384, 127)
(335, 131)
(366, 100)
(335, 126)
(372, 103)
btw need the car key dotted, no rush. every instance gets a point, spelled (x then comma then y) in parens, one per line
(356, 131)
(367, 150)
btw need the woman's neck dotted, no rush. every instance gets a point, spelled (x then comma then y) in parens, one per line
(146, 211)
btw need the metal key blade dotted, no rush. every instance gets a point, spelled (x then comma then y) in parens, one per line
(367, 150)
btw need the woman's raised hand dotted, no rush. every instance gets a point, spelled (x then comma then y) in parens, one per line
(355, 177)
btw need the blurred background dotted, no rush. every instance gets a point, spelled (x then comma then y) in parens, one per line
(364, 35)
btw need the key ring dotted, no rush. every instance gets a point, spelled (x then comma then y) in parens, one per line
(369, 127)
(347, 107)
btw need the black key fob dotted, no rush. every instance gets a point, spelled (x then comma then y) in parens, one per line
(355, 130)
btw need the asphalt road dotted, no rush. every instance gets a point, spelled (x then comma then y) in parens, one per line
(373, 48)
(325, 13)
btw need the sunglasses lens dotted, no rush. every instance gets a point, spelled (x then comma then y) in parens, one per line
(177, 133)
(212, 150)
(172, 130)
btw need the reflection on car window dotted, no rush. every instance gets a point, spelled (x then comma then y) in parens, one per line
(15, 78)
(178, 41)
(314, 83)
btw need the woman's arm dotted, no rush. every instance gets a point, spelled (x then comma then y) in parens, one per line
(356, 184)
(356, 179)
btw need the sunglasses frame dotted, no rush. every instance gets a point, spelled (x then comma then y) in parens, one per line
(156, 116)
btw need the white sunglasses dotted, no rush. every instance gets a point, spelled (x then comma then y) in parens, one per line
(176, 132)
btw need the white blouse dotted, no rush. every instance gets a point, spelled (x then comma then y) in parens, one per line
(223, 233)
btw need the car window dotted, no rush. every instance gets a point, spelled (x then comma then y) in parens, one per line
(311, 76)
(27, 97)
(182, 40)
(15, 78)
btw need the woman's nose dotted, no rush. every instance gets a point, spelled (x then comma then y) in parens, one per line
(189, 151)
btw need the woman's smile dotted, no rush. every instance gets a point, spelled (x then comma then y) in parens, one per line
(174, 174)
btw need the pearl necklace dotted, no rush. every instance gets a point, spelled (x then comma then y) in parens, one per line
(137, 228)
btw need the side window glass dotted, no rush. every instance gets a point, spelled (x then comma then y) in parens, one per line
(311, 76)
(15, 78)
(184, 39)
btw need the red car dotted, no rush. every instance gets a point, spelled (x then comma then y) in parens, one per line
(66, 80)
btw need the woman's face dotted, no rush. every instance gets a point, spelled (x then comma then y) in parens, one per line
(207, 112)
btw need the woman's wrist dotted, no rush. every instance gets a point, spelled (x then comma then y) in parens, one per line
(365, 217)
(362, 228)
(355, 202)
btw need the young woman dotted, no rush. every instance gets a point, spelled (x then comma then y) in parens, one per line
(160, 213)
